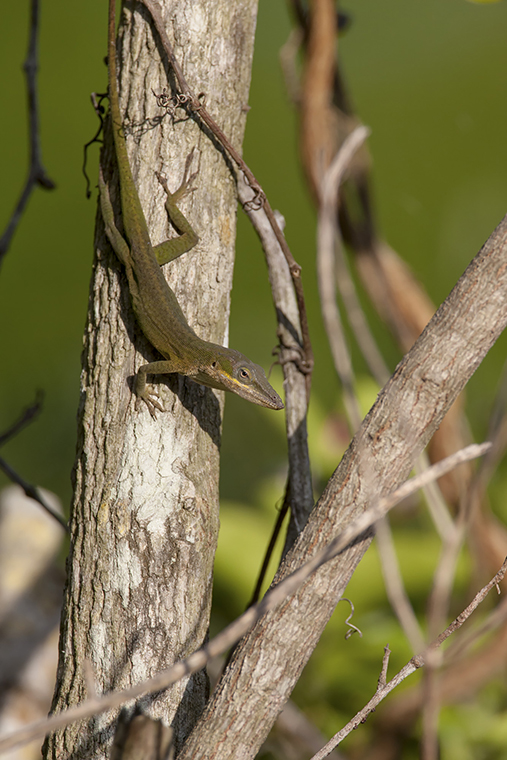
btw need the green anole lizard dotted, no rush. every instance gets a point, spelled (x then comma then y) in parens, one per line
(154, 303)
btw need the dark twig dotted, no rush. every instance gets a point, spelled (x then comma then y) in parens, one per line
(36, 173)
(235, 630)
(141, 736)
(99, 110)
(26, 417)
(275, 533)
(195, 106)
(30, 490)
(269, 551)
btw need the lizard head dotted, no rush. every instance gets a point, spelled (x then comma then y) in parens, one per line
(229, 370)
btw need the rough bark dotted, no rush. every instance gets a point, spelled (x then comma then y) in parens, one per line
(269, 660)
(144, 517)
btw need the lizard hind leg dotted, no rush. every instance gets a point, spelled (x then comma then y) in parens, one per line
(171, 249)
(186, 183)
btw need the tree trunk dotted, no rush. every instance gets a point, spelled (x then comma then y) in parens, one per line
(144, 518)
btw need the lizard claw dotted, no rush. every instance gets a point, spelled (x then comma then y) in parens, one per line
(151, 400)
(185, 186)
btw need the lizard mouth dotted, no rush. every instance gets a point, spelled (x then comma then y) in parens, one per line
(275, 401)
(262, 396)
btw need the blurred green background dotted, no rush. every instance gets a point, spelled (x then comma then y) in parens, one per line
(430, 79)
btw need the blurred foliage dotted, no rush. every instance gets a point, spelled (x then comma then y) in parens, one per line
(430, 80)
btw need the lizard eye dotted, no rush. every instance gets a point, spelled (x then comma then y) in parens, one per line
(244, 374)
(214, 365)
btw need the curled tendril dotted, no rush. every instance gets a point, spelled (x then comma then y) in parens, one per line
(256, 202)
(352, 628)
(170, 102)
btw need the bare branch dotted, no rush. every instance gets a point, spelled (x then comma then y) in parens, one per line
(327, 236)
(300, 490)
(468, 639)
(30, 490)
(430, 712)
(332, 266)
(25, 418)
(443, 580)
(438, 509)
(398, 597)
(382, 679)
(36, 173)
(295, 736)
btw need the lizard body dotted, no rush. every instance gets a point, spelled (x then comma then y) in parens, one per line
(155, 305)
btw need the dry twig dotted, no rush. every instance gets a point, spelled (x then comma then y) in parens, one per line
(327, 236)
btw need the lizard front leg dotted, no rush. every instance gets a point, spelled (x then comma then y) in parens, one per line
(144, 390)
